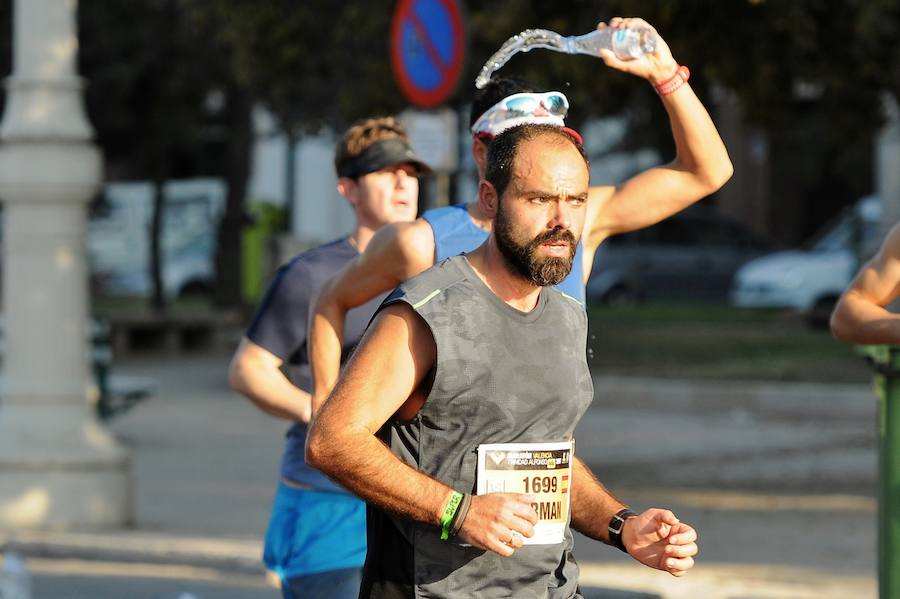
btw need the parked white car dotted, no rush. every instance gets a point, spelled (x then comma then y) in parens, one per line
(187, 271)
(811, 280)
(119, 244)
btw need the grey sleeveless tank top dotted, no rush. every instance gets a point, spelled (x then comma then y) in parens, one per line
(502, 376)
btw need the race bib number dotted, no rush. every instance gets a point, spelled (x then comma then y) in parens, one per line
(540, 469)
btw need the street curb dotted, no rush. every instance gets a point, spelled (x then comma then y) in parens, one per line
(232, 555)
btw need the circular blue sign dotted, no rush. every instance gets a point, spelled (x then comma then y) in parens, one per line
(427, 49)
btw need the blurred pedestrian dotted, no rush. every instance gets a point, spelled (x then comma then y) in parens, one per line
(315, 539)
(398, 252)
(474, 373)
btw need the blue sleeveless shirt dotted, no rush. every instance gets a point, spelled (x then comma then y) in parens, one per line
(455, 233)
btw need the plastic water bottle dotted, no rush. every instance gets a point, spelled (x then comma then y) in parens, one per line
(15, 582)
(626, 44)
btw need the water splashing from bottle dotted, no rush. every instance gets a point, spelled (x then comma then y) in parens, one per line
(627, 44)
(521, 42)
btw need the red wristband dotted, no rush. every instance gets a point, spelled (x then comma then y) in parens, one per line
(682, 74)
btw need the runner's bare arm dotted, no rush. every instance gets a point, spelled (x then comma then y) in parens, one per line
(592, 504)
(860, 315)
(701, 165)
(396, 253)
(256, 374)
(655, 538)
(394, 357)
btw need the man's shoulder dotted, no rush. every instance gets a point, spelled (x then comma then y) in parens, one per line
(334, 251)
(413, 237)
(448, 217)
(452, 212)
(337, 248)
(426, 286)
(572, 307)
(405, 249)
(455, 230)
(319, 262)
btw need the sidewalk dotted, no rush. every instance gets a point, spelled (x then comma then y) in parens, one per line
(766, 473)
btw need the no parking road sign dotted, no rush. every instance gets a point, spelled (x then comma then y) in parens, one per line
(427, 49)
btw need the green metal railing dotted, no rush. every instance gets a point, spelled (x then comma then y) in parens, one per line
(885, 361)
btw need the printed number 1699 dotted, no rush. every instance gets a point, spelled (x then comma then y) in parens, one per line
(538, 484)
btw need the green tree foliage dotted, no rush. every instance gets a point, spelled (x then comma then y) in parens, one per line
(839, 51)
(810, 73)
(322, 62)
(310, 63)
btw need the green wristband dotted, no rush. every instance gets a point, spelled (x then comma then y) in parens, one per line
(449, 512)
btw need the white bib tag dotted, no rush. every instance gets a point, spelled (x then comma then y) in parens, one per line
(540, 469)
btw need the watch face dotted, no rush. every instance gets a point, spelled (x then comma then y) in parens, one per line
(616, 524)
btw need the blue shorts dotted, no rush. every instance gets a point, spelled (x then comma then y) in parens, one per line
(314, 531)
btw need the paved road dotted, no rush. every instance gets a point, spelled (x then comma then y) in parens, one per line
(767, 474)
(85, 580)
(74, 579)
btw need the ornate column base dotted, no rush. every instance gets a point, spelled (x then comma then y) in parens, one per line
(60, 470)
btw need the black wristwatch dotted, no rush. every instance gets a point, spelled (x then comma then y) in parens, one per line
(616, 524)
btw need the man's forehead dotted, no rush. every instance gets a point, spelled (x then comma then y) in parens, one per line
(547, 157)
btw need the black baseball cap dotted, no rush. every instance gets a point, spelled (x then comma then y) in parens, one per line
(379, 155)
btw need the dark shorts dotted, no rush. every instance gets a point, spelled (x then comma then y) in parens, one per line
(334, 584)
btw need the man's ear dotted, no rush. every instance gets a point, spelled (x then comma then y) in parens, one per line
(479, 154)
(347, 187)
(487, 199)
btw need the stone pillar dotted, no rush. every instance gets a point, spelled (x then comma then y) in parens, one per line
(58, 467)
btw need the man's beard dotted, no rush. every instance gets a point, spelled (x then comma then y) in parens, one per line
(524, 259)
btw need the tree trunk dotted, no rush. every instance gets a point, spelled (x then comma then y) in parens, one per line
(158, 297)
(228, 292)
(290, 177)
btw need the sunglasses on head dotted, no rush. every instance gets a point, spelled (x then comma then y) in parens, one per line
(527, 103)
(522, 106)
